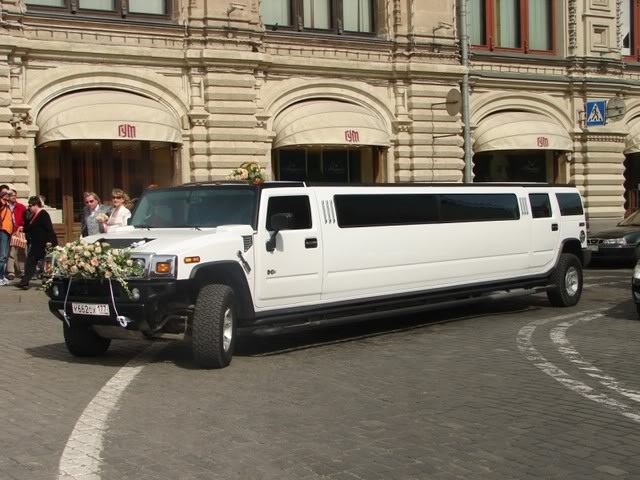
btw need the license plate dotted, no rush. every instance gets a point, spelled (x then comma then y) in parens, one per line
(90, 309)
(593, 248)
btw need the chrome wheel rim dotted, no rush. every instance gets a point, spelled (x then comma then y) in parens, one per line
(571, 281)
(227, 329)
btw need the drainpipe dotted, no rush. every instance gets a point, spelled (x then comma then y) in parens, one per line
(466, 115)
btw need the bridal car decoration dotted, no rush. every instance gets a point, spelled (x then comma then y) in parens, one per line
(94, 261)
(249, 171)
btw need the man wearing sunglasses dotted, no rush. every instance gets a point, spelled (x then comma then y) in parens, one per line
(92, 207)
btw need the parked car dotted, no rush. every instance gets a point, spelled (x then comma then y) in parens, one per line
(635, 287)
(621, 244)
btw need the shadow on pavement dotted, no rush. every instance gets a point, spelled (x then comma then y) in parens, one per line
(119, 353)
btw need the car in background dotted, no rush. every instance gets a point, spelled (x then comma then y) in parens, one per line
(635, 287)
(620, 244)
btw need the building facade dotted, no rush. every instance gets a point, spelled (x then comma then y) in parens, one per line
(127, 93)
(534, 66)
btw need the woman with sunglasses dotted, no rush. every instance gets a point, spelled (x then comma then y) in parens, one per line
(39, 231)
(120, 212)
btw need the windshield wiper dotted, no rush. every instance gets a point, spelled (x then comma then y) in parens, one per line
(148, 227)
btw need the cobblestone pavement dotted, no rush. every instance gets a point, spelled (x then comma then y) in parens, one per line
(502, 390)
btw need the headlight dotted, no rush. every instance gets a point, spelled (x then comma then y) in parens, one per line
(615, 241)
(135, 294)
(636, 271)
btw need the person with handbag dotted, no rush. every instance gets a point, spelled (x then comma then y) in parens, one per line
(41, 235)
(6, 230)
(17, 252)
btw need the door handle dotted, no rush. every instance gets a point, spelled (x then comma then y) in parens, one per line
(310, 243)
(554, 227)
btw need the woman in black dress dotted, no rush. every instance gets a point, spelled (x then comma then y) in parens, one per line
(39, 231)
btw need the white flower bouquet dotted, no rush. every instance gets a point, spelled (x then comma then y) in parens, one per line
(102, 217)
(249, 171)
(82, 260)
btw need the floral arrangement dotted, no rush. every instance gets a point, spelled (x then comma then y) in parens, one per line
(248, 171)
(82, 260)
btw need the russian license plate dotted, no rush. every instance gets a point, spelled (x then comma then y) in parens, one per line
(593, 248)
(90, 309)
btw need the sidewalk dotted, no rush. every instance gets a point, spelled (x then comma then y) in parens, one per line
(9, 294)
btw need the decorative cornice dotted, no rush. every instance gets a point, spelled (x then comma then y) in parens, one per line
(604, 137)
(573, 25)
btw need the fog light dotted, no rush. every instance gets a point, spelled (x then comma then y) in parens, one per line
(55, 291)
(135, 294)
(636, 271)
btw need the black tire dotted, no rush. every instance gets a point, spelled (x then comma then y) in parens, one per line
(567, 281)
(82, 341)
(214, 326)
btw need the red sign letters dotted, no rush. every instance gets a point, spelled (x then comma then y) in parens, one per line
(126, 131)
(352, 136)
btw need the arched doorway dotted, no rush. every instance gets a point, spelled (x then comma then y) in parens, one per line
(96, 140)
(329, 141)
(520, 147)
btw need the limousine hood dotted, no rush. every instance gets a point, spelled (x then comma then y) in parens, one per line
(170, 241)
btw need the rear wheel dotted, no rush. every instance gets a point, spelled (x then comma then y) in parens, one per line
(214, 326)
(82, 341)
(567, 282)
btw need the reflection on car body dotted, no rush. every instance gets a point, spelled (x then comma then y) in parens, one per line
(619, 244)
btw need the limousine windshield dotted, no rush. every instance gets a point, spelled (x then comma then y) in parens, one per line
(196, 207)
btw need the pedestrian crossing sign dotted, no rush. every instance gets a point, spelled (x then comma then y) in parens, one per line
(595, 111)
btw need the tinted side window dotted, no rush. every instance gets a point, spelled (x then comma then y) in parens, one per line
(540, 205)
(297, 205)
(478, 207)
(386, 209)
(570, 203)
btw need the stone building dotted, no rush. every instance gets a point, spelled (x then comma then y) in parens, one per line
(533, 69)
(126, 93)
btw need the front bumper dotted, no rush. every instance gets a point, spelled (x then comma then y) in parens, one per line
(143, 314)
(614, 253)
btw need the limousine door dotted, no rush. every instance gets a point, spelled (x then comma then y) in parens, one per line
(544, 230)
(291, 273)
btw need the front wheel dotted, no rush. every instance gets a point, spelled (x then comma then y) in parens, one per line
(82, 341)
(214, 326)
(567, 282)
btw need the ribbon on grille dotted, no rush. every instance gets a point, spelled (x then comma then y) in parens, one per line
(122, 320)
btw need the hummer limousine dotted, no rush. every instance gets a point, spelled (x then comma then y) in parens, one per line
(223, 259)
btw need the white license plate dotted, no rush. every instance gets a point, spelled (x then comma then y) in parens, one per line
(593, 248)
(90, 309)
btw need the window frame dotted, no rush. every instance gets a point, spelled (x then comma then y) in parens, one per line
(634, 31)
(490, 30)
(296, 10)
(121, 11)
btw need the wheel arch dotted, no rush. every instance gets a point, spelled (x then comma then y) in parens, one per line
(227, 273)
(574, 247)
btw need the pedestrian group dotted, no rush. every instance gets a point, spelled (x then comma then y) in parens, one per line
(26, 232)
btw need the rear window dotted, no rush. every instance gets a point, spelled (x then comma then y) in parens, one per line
(570, 204)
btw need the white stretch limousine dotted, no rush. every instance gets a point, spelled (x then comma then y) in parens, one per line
(227, 258)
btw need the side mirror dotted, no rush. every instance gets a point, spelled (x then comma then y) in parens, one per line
(279, 221)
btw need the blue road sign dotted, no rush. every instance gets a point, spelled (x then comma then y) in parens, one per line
(595, 111)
